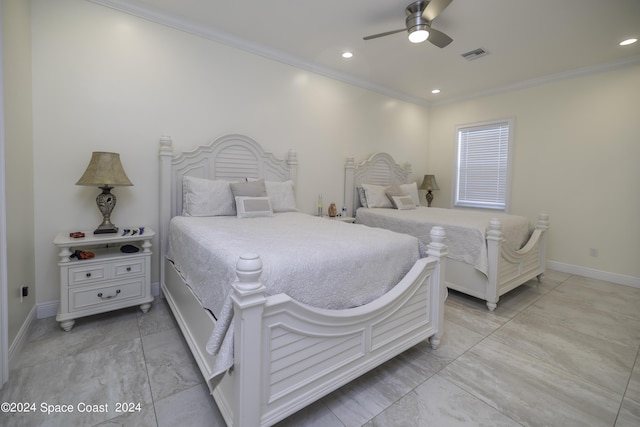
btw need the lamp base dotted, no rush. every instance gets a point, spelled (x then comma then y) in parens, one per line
(429, 198)
(106, 202)
(105, 229)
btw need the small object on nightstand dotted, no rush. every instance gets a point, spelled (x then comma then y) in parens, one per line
(82, 255)
(129, 249)
(320, 204)
(332, 211)
(76, 234)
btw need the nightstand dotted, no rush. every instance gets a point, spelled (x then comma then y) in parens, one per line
(111, 280)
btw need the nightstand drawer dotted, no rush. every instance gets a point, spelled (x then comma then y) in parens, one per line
(87, 274)
(128, 268)
(88, 297)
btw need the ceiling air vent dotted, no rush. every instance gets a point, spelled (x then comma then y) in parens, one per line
(474, 54)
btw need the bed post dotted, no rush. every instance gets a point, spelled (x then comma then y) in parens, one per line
(248, 296)
(166, 155)
(543, 226)
(292, 161)
(349, 173)
(439, 292)
(494, 249)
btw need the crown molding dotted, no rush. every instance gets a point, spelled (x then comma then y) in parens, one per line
(595, 69)
(152, 14)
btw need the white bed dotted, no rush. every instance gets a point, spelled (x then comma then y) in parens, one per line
(489, 254)
(286, 354)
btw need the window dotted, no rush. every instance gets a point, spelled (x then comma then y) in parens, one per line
(483, 166)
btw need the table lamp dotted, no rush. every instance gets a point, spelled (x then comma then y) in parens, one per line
(429, 183)
(105, 171)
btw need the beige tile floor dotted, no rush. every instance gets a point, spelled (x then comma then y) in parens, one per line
(560, 353)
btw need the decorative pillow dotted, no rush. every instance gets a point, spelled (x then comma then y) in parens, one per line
(394, 190)
(362, 196)
(376, 197)
(251, 207)
(412, 190)
(206, 197)
(403, 202)
(249, 189)
(282, 196)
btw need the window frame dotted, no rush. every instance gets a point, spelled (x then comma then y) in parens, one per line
(455, 202)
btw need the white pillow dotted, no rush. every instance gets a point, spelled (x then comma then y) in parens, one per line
(251, 207)
(376, 196)
(282, 197)
(206, 197)
(403, 202)
(412, 190)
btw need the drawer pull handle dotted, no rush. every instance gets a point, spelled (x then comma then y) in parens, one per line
(109, 296)
(128, 268)
(88, 274)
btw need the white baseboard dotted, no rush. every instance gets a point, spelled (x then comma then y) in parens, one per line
(21, 337)
(50, 308)
(591, 273)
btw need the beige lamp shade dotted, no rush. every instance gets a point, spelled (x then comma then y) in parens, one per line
(104, 169)
(429, 183)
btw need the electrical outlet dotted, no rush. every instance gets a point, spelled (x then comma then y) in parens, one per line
(593, 252)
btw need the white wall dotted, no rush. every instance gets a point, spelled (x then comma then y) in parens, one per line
(104, 80)
(576, 158)
(16, 37)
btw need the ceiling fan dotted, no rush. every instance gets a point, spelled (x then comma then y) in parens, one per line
(420, 14)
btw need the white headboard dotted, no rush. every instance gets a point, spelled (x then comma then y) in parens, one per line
(379, 169)
(231, 157)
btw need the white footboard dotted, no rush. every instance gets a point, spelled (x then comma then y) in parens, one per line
(288, 355)
(509, 268)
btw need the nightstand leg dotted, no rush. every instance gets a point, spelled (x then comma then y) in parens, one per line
(145, 307)
(67, 324)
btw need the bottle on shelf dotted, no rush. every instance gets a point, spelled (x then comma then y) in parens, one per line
(320, 204)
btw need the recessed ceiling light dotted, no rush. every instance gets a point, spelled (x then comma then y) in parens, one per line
(628, 42)
(435, 91)
(347, 55)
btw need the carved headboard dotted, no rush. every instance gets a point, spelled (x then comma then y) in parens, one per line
(379, 169)
(231, 157)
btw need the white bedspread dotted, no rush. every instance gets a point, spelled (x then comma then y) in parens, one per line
(465, 229)
(320, 262)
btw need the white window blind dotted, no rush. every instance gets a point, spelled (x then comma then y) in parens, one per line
(483, 165)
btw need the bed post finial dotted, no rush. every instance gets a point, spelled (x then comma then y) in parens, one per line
(543, 221)
(292, 161)
(248, 270)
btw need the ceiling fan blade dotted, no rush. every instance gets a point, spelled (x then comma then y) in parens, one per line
(388, 33)
(439, 38)
(435, 8)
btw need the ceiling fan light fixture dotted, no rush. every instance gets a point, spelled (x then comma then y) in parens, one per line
(418, 34)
